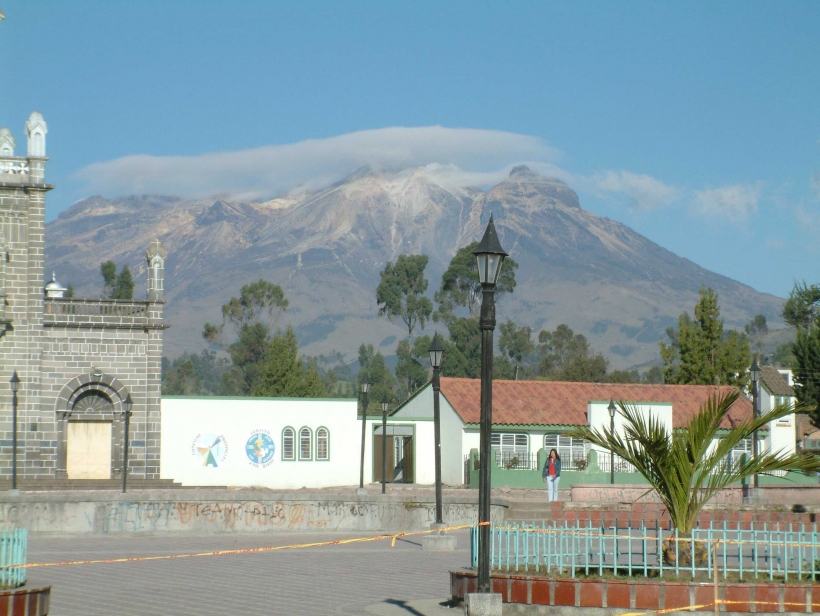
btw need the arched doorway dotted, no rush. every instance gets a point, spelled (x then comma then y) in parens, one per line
(88, 442)
(89, 412)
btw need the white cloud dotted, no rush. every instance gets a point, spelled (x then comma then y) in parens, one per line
(807, 221)
(734, 202)
(644, 191)
(272, 170)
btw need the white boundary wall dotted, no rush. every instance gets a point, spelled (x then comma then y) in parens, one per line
(208, 441)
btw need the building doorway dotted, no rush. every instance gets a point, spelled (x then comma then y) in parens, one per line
(88, 454)
(400, 450)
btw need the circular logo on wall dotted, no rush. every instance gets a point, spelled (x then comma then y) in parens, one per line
(210, 449)
(260, 448)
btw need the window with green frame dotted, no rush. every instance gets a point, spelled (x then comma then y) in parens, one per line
(305, 444)
(570, 449)
(288, 444)
(322, 444)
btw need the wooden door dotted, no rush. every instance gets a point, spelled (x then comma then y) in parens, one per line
(407, 466)
(88, 450)
(377, 459)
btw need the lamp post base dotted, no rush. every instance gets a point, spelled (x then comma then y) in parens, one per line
(438, 543)
(361, 491)
(482, 604)
(13, 492)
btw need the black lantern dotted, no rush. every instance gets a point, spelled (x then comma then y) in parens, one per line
(365, 385)
(436, 351)
(14, 383)
(489, 256)
(754, 371)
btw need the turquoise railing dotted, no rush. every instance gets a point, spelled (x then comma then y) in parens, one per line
(771, 551)
(13, 551)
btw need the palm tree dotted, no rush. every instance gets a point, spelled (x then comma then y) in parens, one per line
(685, 469)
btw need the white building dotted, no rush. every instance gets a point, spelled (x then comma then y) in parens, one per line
(313, 443)
(531, 415)
(265, 442)
(776, 388)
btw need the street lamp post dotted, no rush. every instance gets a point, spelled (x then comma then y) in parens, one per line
(384, 446)
(15, 385)
(754, 372)
(126, 415)
(436, 356)
(611, 409)
(365, 388)
(489, 258)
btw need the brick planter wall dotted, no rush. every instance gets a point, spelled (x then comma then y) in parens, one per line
(643, 595)
(624, 513)
(25, 601)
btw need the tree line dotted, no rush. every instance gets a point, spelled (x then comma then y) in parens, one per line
(262, 359)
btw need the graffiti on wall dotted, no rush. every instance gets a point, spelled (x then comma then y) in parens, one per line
(228, 516)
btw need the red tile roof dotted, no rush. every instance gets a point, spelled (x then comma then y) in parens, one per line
(561, 403)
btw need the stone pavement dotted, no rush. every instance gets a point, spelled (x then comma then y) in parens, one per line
(360, 578)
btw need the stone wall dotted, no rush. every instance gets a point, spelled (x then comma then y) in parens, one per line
(204, 513)
(53, 342)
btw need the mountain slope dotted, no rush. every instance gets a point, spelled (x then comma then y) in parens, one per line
(326, 249)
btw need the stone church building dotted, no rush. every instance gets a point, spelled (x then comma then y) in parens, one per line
(77, 359)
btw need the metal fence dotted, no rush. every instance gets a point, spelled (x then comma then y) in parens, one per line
(580, 548)
(517, 461)
(524, 462)
(621, 465)
(13, 551)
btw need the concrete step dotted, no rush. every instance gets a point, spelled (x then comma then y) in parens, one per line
(39, 485)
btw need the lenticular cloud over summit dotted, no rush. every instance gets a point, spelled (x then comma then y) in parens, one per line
(271, 170)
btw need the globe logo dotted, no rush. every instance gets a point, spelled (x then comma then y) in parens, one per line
(260, 449)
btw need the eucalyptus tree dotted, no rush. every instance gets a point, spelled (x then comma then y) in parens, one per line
(401, 291)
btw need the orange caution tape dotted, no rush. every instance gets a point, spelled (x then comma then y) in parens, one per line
(272, 548)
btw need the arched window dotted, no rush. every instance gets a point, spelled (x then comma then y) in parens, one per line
(322, 444)
(288, 448)
(305, 438)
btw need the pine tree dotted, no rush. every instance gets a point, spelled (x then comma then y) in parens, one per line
(382, 381)
(124, 286)
(109, 274)
(699, 352)
(282, 373)
(806, 351)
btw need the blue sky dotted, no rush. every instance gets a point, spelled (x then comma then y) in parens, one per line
(697, 124)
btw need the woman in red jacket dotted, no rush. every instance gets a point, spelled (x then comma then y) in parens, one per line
(552, 474)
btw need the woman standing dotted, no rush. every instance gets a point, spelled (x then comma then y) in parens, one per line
(552, 474)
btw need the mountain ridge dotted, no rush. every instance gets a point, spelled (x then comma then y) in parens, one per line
(326, 248)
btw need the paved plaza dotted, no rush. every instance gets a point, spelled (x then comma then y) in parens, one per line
(359, 578)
